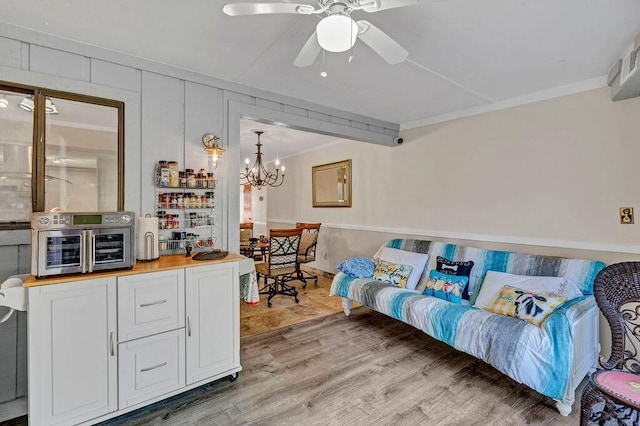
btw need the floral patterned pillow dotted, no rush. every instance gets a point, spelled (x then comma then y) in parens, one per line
(392, 273)
(531, 307)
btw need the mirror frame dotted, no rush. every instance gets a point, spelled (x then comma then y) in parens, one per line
(314, 184)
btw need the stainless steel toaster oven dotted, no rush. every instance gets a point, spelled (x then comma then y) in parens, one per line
(81, 242)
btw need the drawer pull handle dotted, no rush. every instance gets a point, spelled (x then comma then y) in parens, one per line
(158, 302)
(189, 325)
(112, 345)
(153, 368)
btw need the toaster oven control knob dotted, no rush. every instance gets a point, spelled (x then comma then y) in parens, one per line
(44, 220)
(125, 218)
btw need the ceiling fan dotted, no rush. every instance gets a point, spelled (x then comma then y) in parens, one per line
(336, 32)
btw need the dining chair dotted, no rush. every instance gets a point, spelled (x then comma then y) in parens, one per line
(307, 250)
(612, 395)
(280, 265)
(246, 231)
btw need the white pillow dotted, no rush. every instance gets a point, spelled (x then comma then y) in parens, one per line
(549, 286)
(403, 257)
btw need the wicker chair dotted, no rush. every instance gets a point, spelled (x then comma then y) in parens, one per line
(307, 250)
(281, 263)
(612, 395)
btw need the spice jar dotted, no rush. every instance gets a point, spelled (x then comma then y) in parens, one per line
(162, 219)
(163, 174)
(209, 199)
(191, 178)
(211, 183)
(174, 180)
(162, 243)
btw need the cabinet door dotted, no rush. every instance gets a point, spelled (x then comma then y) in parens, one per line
(150, 303)
(72, 351)
(213, 321)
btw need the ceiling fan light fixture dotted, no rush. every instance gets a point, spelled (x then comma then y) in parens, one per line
(337, 33)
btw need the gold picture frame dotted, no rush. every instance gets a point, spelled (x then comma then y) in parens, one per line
(331, 184)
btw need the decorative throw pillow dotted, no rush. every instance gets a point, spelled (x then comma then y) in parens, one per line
(418, 261)
(531, 307)
(546, 286)
(446, 287)
(357, 267)
(459, 268)
(392, 273)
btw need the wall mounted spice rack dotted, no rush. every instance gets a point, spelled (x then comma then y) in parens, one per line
(185, 207)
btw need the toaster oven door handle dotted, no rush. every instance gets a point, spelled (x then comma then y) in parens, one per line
(83, 251)
(92, 250)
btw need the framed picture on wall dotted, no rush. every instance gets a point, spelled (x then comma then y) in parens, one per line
(626, 215)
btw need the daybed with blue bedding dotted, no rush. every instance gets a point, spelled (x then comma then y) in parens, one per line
(552, 358)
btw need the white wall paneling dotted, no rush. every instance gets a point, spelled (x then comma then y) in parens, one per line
(162, 129)
(114, 75)
(59, 63)
(8, 357)
(203, 113)
(10, 53)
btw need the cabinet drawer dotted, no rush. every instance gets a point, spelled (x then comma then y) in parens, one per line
(150, 303)
(150, 367)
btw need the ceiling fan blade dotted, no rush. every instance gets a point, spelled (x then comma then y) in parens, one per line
(381, 43)
(238, 9)
(309, 52)
(378, 5)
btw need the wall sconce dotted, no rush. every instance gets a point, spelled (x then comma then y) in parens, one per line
(210, 142)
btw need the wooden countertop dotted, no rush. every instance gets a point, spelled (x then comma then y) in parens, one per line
(164, 263)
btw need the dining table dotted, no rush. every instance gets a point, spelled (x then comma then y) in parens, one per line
(250, 248)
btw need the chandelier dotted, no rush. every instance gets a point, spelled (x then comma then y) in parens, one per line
(259, 176)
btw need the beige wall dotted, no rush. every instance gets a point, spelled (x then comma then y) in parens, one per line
(549, 177)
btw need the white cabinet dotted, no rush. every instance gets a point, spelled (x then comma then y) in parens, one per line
(72, 344)
(213, 321)
(101, 347)
(150, 303)
(150, 367)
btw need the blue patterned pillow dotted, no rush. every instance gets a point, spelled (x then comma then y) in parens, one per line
(445, 286)
(357, 267)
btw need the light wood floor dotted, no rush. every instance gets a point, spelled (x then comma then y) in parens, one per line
(362, 370)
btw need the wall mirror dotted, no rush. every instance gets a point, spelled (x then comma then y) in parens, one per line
(332, 184)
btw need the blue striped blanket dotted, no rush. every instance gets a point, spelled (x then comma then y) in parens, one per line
(539, 357)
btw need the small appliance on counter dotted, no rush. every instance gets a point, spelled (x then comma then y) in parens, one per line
(81, 242)
(148, 248)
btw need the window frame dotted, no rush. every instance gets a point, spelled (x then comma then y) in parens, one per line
(39, 142)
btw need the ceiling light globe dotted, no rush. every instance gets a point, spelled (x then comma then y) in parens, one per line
(337, 33)
(4, 103)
